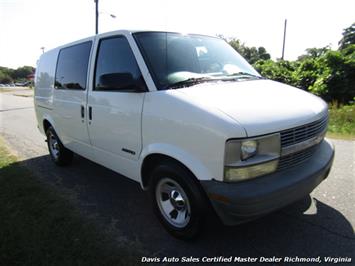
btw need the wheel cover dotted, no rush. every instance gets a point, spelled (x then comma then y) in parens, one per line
(173, 202)
(53, 145)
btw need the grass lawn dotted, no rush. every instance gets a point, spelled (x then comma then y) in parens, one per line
(39, 227)
(342, 122)
(15, 89)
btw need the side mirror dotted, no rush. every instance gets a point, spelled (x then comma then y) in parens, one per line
(118, 82)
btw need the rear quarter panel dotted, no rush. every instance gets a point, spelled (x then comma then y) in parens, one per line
(44, 86)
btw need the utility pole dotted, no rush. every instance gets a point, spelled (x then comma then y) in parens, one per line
(97, 16)
(283, 45)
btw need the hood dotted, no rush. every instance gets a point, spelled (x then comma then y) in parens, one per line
(260, 106)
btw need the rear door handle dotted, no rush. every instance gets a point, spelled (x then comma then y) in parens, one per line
(90, 113)
(82, 111)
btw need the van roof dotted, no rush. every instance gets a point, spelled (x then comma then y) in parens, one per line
(122, 31)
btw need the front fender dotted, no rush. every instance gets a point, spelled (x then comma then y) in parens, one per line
(192, 163)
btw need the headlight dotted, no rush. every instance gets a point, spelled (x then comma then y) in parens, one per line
(248, 149)
(250, 158)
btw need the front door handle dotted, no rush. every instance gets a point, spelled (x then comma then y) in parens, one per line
(82, 111)
(90, 113)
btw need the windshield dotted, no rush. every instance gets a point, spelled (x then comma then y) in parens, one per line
(174, 58)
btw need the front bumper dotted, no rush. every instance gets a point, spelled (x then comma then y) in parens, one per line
(235, 203)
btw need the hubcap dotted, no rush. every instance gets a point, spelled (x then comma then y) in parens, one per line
(173, 202)
(53, 145)
(177, 200)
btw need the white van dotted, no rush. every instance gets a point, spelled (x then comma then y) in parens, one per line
(189, 119)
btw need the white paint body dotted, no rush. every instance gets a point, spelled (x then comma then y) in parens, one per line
(190, 125)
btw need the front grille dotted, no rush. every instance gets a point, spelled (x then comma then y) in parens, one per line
(298, 134)
(296, 158)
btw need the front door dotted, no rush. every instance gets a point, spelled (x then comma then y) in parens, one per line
(115, 111)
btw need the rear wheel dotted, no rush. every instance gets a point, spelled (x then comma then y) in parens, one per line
(59, 154)
(177, 200)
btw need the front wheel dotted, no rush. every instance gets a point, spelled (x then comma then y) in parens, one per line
(59, 154)
(177, 200)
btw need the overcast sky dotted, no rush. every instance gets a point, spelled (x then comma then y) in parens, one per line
(28, 25)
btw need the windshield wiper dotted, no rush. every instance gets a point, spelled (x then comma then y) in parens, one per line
(188, 82)
(239, 75)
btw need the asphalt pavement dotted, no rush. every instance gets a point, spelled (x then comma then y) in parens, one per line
(319, 225)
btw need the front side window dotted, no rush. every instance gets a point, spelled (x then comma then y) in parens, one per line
(72, 67)
(173, 58)
(116, 67)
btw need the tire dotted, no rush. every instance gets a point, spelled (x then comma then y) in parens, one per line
(60, 155)
(178, 200)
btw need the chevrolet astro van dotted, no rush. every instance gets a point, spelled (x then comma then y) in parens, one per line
(189, 119)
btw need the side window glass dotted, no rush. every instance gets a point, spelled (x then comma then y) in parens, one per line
(72, 67)
(116, 67)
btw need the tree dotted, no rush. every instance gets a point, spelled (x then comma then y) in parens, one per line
(8, 75)
(310, 67)
(251, 54)
(348, 37)
(263, 55)
(21, 73)
(5, 75)
(5, 78)
(314, 52)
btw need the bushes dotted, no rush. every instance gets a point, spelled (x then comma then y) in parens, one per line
(337, 80)
(328, 74)
(281, 71)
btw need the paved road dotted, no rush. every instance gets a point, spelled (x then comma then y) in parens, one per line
(320, 225)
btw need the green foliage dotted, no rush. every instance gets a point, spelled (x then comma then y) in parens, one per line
(281, 71)
(326, 73)
(336, 81)
(307, 73)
